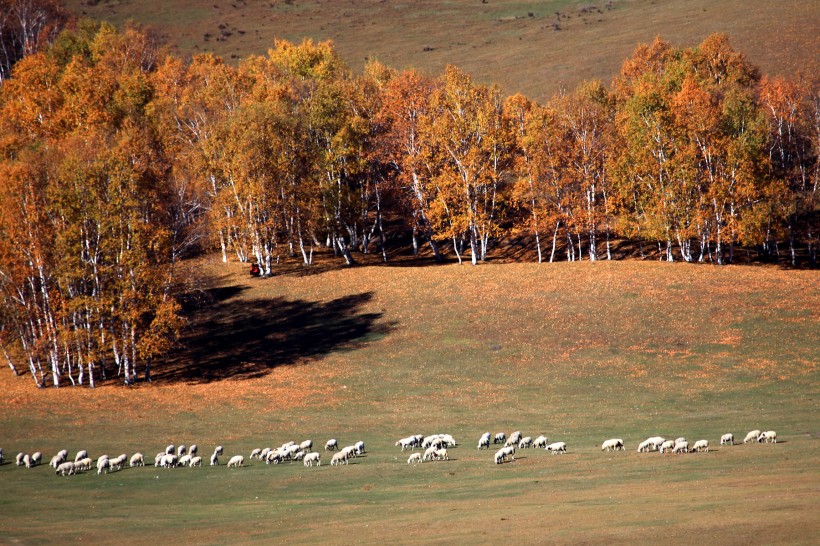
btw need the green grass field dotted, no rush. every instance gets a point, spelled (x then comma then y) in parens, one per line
(512, 43)
(580, 352)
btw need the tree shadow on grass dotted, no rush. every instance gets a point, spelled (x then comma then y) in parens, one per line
(235, 338)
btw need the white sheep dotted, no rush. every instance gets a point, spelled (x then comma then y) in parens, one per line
(415, 458)
(339, 459)
(170, 449)
(117, 462)
(182, 450)
(19, 458)
(525, 443)
(192, 450)
(613, 444)
(429, 453)
(137, 459)
(449, 441)
(499, 438)
(666, 446)
(701, 445)
(646, 445)
(299, 455)
(682, 447)
(768, 436)
(307, 445)
(428, 441)
(36, 458)
(27, 460)
(273, 456)
(407, 443)
(56, 460)
(195, 461)
(514, 438)
(83, 465)
(312, 457)
(557, 447)
(441, 454)
(158, 458)
(332, 445)
(236, 461)
(215, 456)
(103, 465)
(680, 440)
(727, 438)
(656, 441)
(169, 460)
(484, 441)
(502, 454)
(65, 468)
(63, 453)
(185, 460)
(256, 453)
(540, 442)
(752, 435)
(82, 454)
(359, 447)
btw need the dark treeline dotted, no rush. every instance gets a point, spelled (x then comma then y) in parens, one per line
(118, 159)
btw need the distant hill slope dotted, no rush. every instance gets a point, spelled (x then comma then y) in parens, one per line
(536, 47)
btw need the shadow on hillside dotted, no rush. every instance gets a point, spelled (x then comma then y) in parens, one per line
(234, 338)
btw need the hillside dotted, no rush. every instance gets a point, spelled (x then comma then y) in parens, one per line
(536, 47)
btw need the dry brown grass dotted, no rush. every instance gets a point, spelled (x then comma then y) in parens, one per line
(496, 41)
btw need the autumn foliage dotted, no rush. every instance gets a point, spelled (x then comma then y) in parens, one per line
(118, 159)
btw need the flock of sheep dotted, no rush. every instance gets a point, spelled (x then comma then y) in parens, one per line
(434, 446)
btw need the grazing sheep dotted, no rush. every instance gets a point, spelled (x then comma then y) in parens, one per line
(499, 438)
(27, 460)
(657, 441)
(36, 458)
(56, 460)
(215, 456)
(541, 441)
(415, 458)
(182, 450)
(338, 459)
(441, 454)
(117, 462)
(502, 454)
(752, 435)
(307, 445)
(192, 450)
(274, 456)
(613, 444)
(185, 460)
(83, 465)
(428, 441)
(666, 446)
(514, 438)
(82, 454)
(103, 464)
(257, 453)
(332, 445)
(137, 459)
(429, 453)
(236, 461)
(359, 447)
(407, 443)
(525, 443)
(646, 445)
(312, 457)
(299, 455)
(448, 440)
(195, 461)
(768, 436)
(680, 440)
(701, 445)
(169, 460)
(170, 449)
(65, 469)
(682, 447)
(19, 458)
(484, 441)
(727, 438)
(557, 447)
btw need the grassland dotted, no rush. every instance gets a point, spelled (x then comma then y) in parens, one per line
(578, 351)
(533, 46)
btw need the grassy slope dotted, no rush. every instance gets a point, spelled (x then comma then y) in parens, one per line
(496, 41)
(579, 352)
